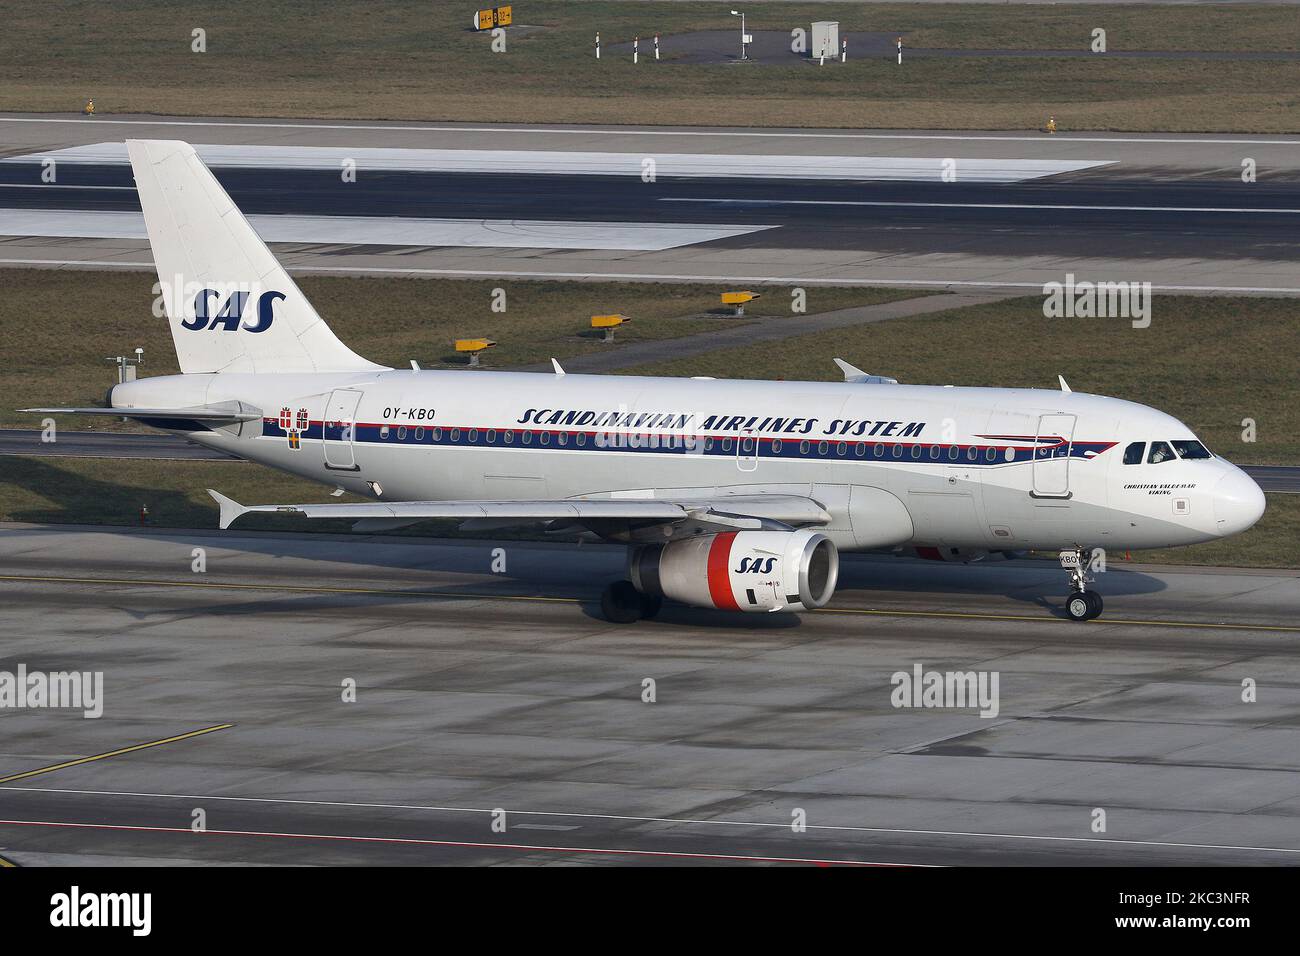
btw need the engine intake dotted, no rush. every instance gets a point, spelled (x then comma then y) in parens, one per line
(740, 570)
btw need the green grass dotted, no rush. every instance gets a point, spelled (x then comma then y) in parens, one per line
(59, 359)
(100, 492)
(1210, 362)
(401, 60)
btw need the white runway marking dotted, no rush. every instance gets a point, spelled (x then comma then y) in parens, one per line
(58, 186)
(689, 821)
(662, 277)
(557, 162)
(393, 231)
(666, 277)
(970, 205)
(555, 130)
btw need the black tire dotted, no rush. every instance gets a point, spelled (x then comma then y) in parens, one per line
(621, 603)
(1097, 604)
(1079, 606)
(650, 605)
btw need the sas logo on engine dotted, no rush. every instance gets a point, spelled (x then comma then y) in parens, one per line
(755, 565)
(229, 316)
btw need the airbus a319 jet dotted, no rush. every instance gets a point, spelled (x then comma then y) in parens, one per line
(736, 495)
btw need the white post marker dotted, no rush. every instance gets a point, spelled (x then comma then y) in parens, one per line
(900, 51)
(636, 49)
(743, 36)
(656, 46)
(598, 46)
(844, 50)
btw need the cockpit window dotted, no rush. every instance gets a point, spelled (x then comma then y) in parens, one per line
(1160, 451)
(1133, 453)
(1191, 449)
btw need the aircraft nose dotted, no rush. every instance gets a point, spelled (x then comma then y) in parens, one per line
(1238, 502)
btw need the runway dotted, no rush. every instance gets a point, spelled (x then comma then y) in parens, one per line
(735, 205)
(483, 697)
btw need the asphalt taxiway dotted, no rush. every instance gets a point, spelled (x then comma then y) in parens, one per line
(485, 697)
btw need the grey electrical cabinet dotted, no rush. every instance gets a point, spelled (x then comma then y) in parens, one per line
(825, 39)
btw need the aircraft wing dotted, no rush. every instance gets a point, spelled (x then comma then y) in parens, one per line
(736, 511)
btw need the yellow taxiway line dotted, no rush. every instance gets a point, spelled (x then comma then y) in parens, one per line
(114, 753)
(543, 599)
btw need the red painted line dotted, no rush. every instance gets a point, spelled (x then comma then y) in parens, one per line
(526, 847)
(719, 572)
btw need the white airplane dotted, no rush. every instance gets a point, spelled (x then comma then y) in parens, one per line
(730, 494)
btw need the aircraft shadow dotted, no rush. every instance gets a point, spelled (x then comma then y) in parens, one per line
(532, 568)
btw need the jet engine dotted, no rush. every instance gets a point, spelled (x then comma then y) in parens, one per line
(740, 570)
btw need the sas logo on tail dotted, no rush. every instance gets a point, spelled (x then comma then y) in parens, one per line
(755, 565)
(230, 316)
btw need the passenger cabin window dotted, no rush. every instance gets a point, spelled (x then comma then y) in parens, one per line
(1160, 451)
(1133, 453)
(1191, 449)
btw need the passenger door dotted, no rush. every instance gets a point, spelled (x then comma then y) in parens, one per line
(747, 450)
(1052, 457)
(338, 431)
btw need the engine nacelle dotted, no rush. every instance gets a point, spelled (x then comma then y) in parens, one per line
(741, 570)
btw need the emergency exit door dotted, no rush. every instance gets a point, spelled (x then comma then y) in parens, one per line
(1052, 456)
(747, 450)
(338, 432)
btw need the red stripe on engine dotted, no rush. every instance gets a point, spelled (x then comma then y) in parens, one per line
(719, 572)
(930, 554)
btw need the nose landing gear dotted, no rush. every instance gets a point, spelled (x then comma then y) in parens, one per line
(1082, 604)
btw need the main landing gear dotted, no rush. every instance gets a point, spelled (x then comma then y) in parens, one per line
(1083, 604)
(622, 603)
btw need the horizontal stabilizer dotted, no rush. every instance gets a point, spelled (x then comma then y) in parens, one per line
(198, 413)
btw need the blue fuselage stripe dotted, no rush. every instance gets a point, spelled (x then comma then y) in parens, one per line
(438, 436)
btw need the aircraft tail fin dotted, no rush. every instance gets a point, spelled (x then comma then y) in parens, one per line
(231, 305)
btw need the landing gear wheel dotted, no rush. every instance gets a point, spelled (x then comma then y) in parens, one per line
(1097, 603)
(622, 603)
(1083, 605)
(650, 605)
(1078, 606)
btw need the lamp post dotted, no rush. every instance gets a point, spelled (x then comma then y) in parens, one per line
(741, 14)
